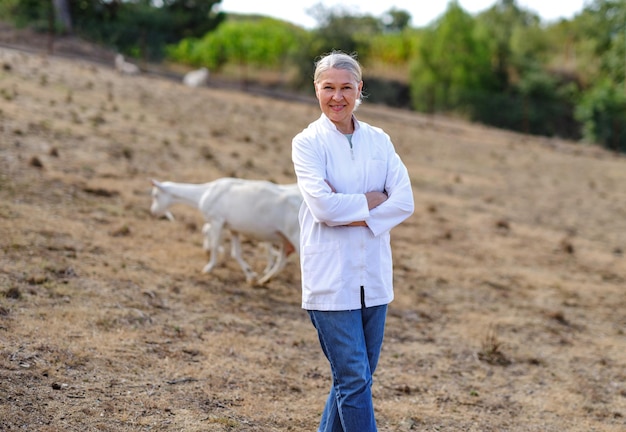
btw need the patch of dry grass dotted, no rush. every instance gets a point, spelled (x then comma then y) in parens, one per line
(509, 310)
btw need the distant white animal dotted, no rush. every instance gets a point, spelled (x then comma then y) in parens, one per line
(124, 67)
(260, 210)
(196, 78)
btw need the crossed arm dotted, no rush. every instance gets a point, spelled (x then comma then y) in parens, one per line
(374, 199)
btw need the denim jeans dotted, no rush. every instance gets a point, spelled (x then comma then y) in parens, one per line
(351, 341)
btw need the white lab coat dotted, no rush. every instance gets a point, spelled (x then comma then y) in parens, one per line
(340, 264)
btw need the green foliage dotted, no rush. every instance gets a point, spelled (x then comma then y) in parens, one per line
(528, 49)
(265, 43)
(503, 67)
(602, 113)
(191, 18)
(598, 40)
(134, 26)
(396, 48)
(504, 28)
(396, 20)
(521, 92)
(494, 69)
(34, 13)
(452, 64)
(7, 8)
(603, 35)
(338, 29)
(549, 104)
(538, 104)
(134, 29)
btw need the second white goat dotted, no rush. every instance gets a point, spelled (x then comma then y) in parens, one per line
(125, 67)
(196, 78)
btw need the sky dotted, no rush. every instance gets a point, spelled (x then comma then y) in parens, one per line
(422, 12)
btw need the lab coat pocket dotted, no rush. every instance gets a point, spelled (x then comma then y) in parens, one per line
(321, 267)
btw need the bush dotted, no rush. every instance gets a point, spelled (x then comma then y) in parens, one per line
(602, 113)
(264, 43)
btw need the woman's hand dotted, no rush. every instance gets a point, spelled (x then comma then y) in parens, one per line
(374, 199)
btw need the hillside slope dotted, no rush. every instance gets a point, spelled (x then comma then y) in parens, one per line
(509, 312)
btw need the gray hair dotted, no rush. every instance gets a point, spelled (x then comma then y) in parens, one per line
(339, 60)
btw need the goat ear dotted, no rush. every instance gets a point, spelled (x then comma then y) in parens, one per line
(155, 183)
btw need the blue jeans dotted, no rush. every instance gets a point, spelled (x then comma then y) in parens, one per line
(351, 341)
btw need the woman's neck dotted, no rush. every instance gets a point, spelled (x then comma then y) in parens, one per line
(345, 128)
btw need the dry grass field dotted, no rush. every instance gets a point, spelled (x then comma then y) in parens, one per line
(510, 309)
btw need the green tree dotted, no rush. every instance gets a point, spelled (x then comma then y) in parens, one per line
(597, 38)
(338, 29)
(452, 65)
(34, 13)
(139, 27)
(602, 112)
(395, 20)
(504, 28)
(602, 27)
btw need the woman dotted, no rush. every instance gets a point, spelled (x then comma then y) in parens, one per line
(355, 189)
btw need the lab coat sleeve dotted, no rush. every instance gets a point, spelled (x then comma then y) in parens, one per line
(326, 206)
(400, 204)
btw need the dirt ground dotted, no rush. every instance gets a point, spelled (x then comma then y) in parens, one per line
(510, 309)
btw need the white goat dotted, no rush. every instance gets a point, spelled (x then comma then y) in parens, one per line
(196, 78)
(124, 67)
(260, 210)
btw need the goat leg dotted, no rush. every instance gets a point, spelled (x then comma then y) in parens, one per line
(280, 259)
(236, 252)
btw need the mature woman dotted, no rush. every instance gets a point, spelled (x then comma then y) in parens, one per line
(355, 189)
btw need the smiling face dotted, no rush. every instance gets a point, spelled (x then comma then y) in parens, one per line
(337, 92)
